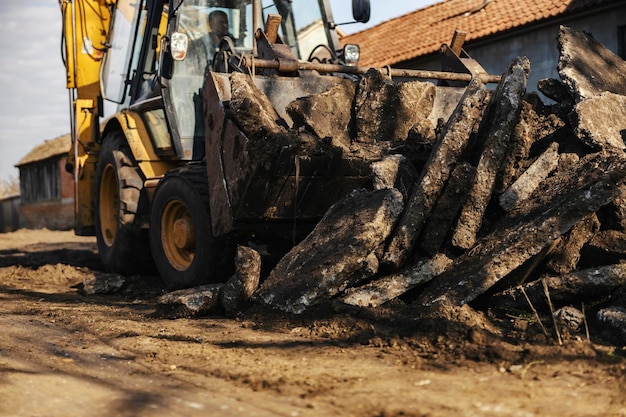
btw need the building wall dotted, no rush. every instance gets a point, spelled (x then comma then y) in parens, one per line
(53, 213)
(538, 44)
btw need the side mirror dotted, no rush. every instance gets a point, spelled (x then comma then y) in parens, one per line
(361, 10)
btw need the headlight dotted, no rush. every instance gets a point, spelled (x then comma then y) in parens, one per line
(351, 54)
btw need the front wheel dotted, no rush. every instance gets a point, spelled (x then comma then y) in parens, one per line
(183, 247)
(122, 244)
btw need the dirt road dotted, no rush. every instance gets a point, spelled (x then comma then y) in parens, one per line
(63, 353)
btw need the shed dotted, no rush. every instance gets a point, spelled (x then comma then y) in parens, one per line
(47, 190)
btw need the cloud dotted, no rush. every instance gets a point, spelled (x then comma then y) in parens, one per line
(34, 105)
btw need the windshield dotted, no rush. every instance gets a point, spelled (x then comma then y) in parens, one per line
(205, 22)
(208, 21)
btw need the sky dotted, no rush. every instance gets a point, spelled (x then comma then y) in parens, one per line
(35, 104)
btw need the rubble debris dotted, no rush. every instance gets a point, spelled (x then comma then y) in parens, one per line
(239, 288)
(337, 254)
(511, 195)
(389, 287)
(416, 103)
(564, 258)
(503, 116)
(590, 285)
(190, 302)
(101, 283)
(523, 187)
(555, 90)
(570, 318)
(376, 102)
(534, 132)
(447, 151)
(586, 188)
(448, 205)
(255, 113)
(600, 121)
(587, 67)
(386, 111)
(326, 114)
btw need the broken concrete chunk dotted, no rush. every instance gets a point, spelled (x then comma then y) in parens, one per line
(101, 283)
(605, 247)
(601, 121)
(386, 111)
(394, 171)
(376, 104)
(564, 258)
(503, 116)
(416, 103)
(389, 287)
(190, 302)
(447, 208)
(336, 254)
(596, 181)
(586, 285)
(446, 153)
(328, 114)
(239, 288)
(252, 110)
(613, 319)
(523, 187)
(532, 127)
(587, 67)
(570, 318)
(554, 90)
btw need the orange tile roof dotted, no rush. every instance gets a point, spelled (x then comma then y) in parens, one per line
(423, 31)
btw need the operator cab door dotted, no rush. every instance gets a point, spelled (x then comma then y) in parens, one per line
(132, 61)
(146, 95)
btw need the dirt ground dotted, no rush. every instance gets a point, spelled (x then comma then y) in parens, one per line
(63, 353)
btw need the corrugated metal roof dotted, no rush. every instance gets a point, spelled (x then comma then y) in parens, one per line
(48, 149)
(423, 31)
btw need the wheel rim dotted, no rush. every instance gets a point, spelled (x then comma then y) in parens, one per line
(178, 235)
(108, 203)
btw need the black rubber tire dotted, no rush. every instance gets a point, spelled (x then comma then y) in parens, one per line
(194, 256)
(122, 245)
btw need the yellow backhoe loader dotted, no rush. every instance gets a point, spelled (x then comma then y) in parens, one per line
(186, 140)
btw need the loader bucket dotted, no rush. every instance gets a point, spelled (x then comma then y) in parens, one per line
(287, 148)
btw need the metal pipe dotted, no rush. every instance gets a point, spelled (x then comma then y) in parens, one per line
(393, 72)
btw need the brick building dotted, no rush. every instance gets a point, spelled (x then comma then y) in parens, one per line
(47, 190)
